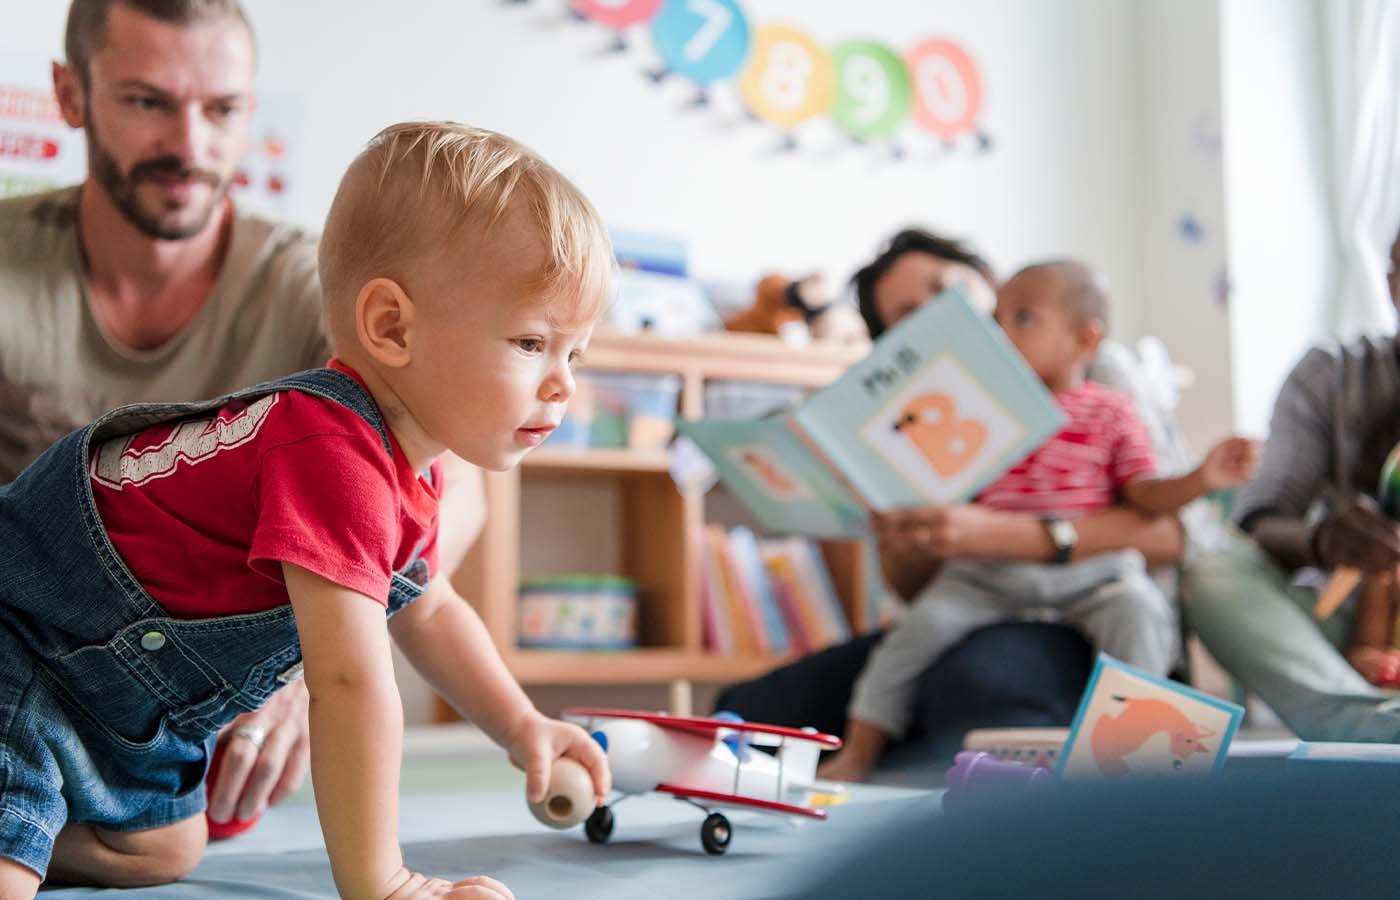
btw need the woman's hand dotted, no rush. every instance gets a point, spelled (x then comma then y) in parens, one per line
(963, 531)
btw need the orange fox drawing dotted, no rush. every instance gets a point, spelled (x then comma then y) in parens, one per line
(1115, 737)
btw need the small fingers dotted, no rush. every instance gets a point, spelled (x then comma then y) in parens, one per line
(536, 775)
(486, 888)
(587, 752)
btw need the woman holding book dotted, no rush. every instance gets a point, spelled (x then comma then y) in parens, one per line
(1024, 674)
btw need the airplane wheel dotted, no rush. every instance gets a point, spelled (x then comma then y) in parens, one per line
(715, 833)
(599, 826)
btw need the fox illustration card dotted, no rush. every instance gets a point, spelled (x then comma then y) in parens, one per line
(1132, 723)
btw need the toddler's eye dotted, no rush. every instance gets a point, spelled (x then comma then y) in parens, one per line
(575, 358)
(530, 345)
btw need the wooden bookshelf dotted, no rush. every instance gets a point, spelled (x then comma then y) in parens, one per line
(659, 528)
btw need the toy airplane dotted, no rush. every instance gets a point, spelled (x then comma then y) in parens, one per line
(708, 763)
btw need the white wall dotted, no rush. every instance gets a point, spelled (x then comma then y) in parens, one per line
(1277, 177)
(1059, 101)
(1180, 130)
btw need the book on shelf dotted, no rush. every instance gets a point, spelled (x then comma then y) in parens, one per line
(766, 596)
(941, 406)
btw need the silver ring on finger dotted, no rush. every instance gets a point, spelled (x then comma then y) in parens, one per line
(253, 734)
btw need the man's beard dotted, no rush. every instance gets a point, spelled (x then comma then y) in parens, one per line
(122, 189)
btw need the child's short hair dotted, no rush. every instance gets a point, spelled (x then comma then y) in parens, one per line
(418, 186)
(1084, 292)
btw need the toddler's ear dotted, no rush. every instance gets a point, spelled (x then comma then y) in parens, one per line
(1090, 335)
(384, 317)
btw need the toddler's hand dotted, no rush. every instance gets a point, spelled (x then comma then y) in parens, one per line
(1230, 463)
(412, 886)
(537, 741)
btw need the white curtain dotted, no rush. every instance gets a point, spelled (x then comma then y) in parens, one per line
(1362, 61)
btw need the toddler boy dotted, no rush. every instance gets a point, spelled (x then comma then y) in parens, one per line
(169, 566)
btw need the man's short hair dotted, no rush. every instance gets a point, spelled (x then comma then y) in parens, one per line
(910, 240)
(420, 188)
(87, 21)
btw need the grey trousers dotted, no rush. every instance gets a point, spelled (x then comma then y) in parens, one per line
(1109, 597)
(1260, 626)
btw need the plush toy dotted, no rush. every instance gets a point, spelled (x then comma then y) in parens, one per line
(798, 311)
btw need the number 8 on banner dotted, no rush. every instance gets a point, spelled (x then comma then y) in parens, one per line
(703, 40)
(947, 91)
(789, 79)
(872, 94)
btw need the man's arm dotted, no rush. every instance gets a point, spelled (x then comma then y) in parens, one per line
(1355, 535)
(1293, 466)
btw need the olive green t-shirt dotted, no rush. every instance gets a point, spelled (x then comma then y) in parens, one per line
(57, 369)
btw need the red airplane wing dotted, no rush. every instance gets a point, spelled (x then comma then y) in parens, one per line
(737, 800)
(702, 725)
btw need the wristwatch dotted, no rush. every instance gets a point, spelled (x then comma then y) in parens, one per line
(1062, 535)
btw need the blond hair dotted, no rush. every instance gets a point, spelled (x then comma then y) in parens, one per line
(418, 186)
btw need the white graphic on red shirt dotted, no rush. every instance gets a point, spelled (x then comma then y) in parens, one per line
(116, 465)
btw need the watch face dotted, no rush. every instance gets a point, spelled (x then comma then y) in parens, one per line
(1063, 533)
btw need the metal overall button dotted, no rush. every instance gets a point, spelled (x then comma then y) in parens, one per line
(152, 640)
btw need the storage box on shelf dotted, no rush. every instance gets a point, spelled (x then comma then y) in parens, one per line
(653, 533)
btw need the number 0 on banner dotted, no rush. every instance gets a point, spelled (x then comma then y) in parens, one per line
(789, 78)
(947, 91)
(616, 14)
(703, 40)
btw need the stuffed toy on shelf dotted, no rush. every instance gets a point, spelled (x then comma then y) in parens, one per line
(799, 311)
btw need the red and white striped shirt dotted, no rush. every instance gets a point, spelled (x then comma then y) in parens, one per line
(1103, 448)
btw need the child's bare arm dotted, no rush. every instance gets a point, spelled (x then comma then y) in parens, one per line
(448, 644)
(1229, 463)
(356, 731)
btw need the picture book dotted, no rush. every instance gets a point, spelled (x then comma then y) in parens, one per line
(941, 406)
(1130, 722)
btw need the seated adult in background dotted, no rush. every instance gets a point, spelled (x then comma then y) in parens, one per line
(145, 283)
(1335, 419)
(1024, 673)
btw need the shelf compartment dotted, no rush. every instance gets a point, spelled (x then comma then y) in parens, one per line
(646, 665)
(591, 461)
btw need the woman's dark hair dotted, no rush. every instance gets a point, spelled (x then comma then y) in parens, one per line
(910, 240)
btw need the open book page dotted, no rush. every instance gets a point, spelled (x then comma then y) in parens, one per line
(782, 482)
(943, 405)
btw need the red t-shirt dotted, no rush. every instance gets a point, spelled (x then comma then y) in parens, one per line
(204, 511)
(1103, 448)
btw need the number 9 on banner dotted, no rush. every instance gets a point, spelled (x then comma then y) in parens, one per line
(947, 91)
(703, 40)
(789, 79)
(872, 89)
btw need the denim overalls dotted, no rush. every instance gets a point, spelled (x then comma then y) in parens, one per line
(109, 707)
